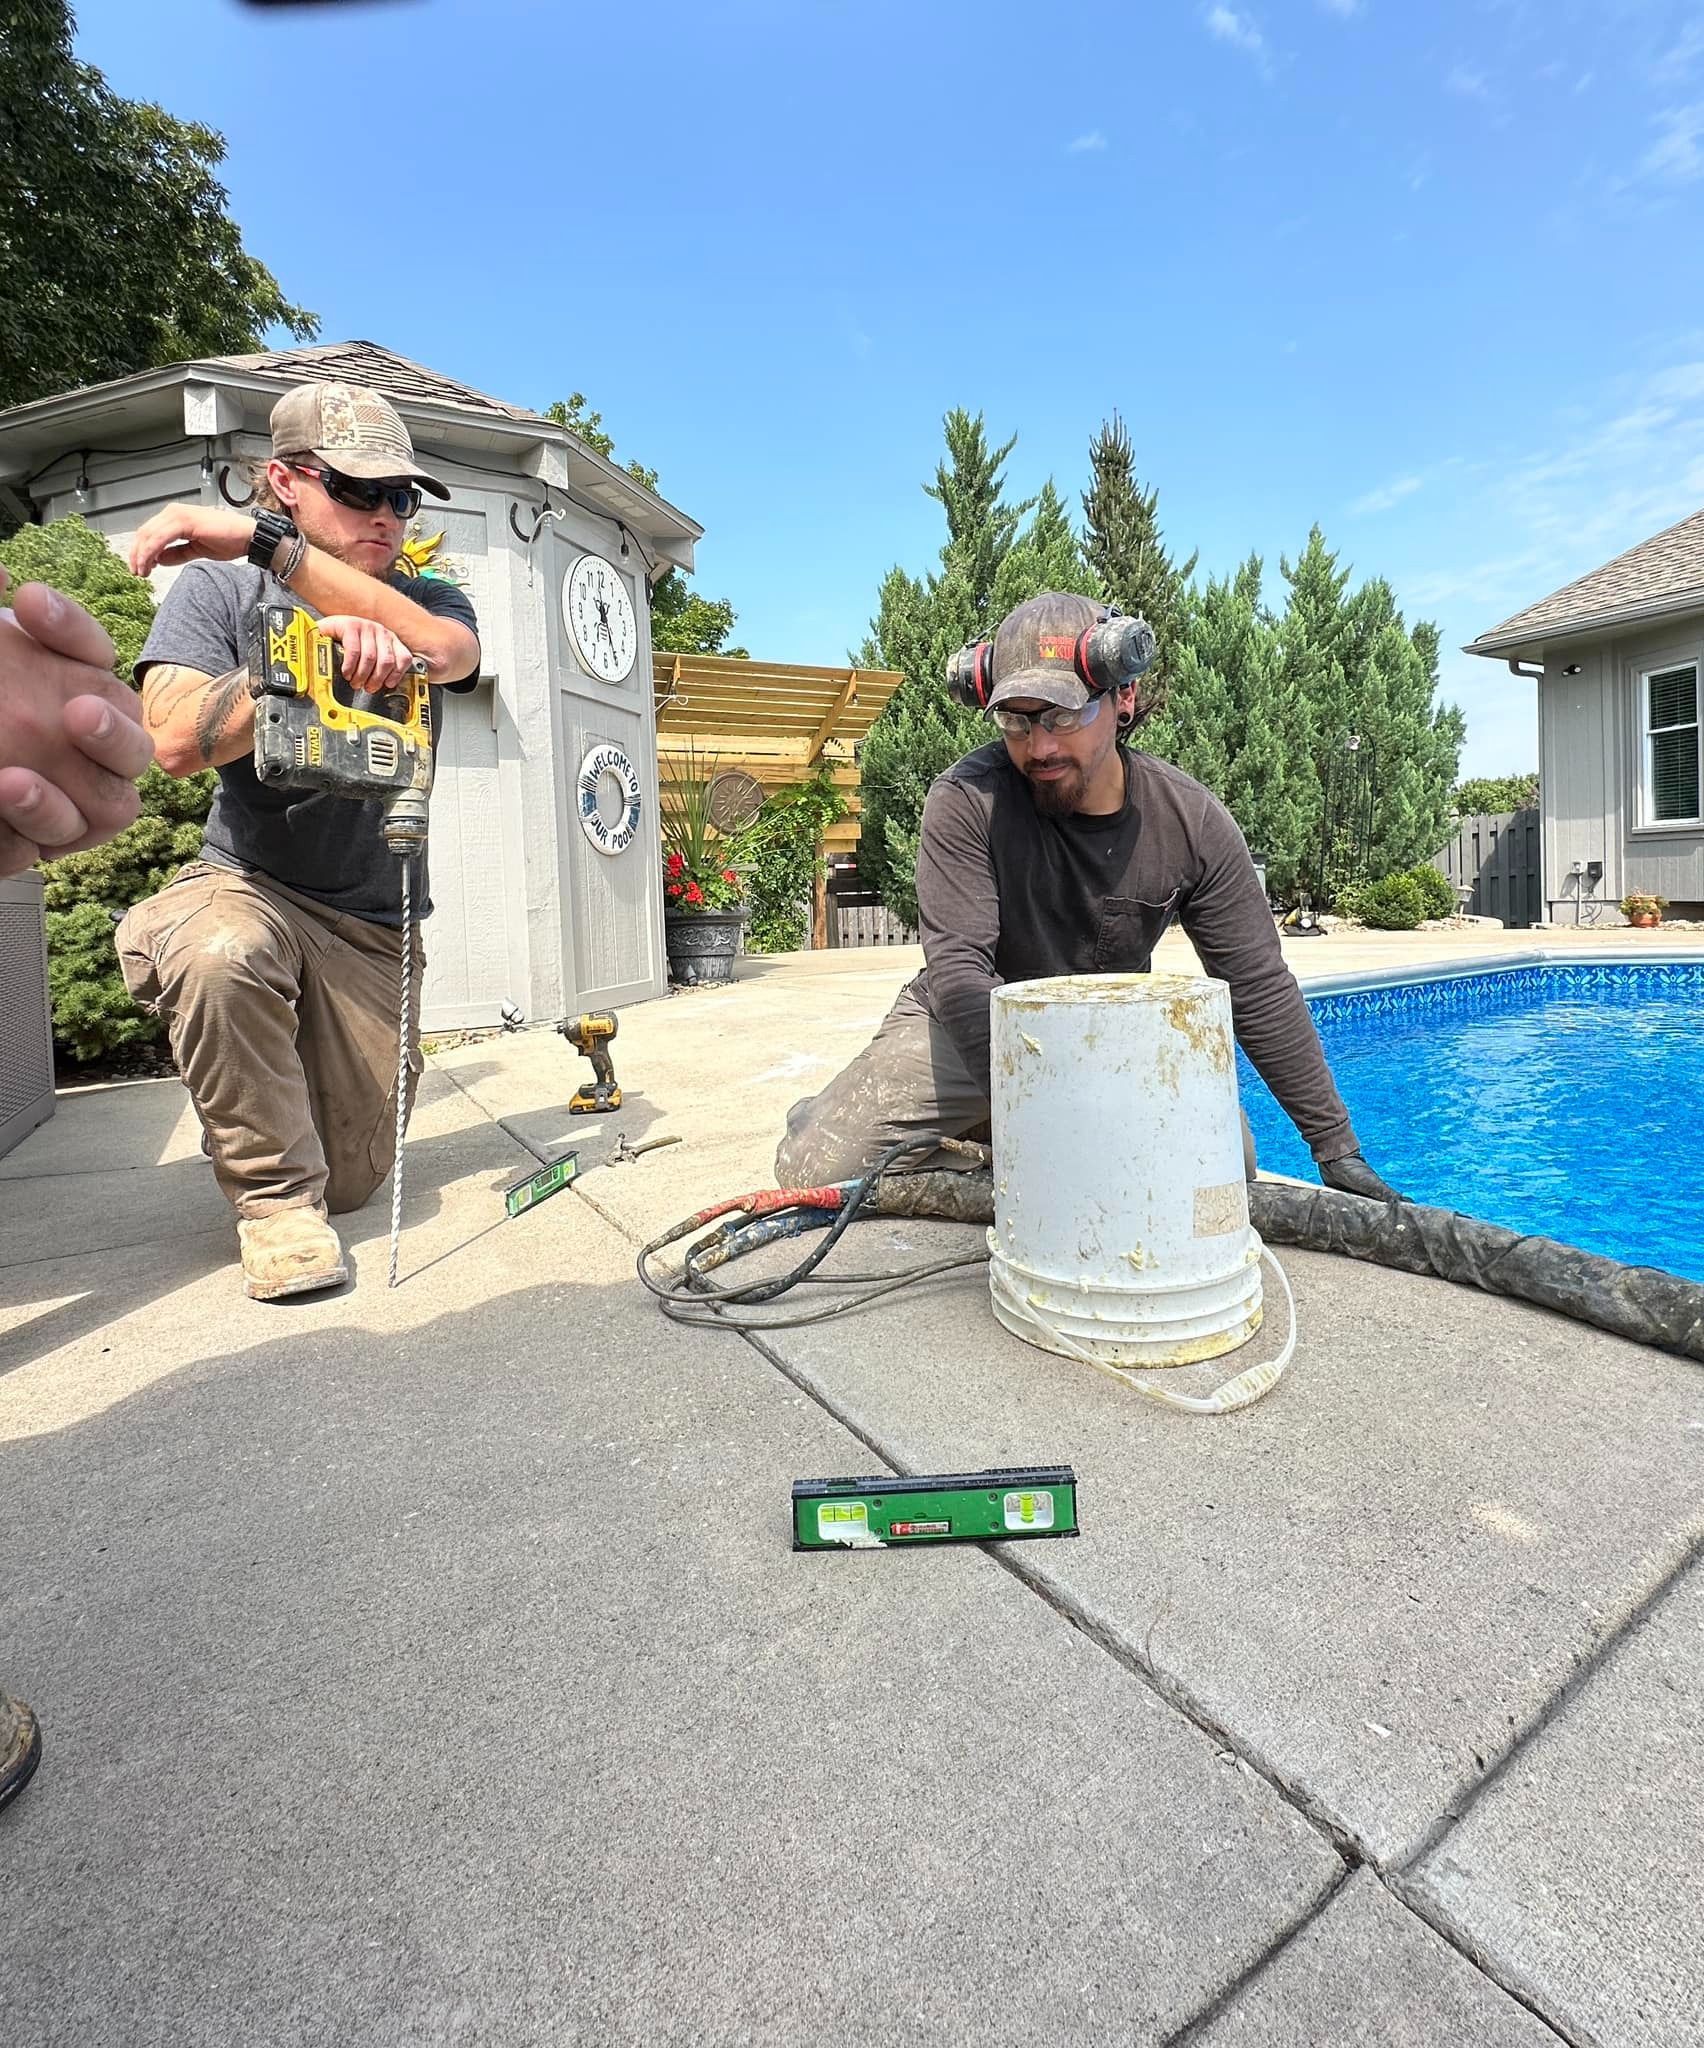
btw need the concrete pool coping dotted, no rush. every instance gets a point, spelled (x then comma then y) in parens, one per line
(1345, 981)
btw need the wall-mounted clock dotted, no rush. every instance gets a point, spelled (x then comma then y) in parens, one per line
(599, 616)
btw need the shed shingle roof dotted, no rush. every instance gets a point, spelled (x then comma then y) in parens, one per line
(1664, 573)
(379, 369)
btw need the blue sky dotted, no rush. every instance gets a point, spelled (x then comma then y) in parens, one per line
(1429, 275)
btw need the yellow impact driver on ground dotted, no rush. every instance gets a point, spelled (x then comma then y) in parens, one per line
(590, 1034)
(307, 737)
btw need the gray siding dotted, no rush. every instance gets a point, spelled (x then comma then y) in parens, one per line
(1591, 763)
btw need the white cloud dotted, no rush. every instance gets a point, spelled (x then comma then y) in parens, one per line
(1678, 385)
(1081, 144)
(1467, 84)
(1513, 524)
(1676, 157)
(1682, 56)
(1342, 8)
(1239, 30)
(1387, 495)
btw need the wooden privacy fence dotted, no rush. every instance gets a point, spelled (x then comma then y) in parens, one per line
(865, 921)
(1498, 856)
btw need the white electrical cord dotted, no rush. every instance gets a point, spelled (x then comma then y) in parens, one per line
(1241, 1392)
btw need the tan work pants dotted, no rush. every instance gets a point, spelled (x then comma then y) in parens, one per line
(282, 1017)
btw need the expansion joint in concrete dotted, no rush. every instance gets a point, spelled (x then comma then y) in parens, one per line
(1552, 1709)
(1227, 1995)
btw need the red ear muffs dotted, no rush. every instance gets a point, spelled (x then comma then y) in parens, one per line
(970, 675)
(1110, 654)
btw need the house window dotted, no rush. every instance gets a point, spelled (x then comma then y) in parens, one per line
(1671, 745)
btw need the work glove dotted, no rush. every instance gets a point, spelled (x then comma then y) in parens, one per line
(1351, 1175)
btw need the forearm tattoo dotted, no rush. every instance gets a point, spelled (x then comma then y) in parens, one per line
(165, 694)
(223, 694)
(171, 691)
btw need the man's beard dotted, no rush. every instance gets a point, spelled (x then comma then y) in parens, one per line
(341, 551)
(1058, 796)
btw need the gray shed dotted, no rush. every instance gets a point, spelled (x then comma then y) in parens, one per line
(547, 894)
(1617, 657)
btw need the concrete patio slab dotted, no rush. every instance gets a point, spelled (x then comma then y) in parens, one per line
(1577, 1871)
(1368, 1974)
(1382, 1574)
(408, 1659)
(423, 1674)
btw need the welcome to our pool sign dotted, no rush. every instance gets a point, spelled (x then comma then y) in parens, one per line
(606, 764)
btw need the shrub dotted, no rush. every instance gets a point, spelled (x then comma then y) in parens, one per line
(1351, 901)
(778, 855)
(87, 892)
(1495, 794)
(1437, 892)
(1394, 904)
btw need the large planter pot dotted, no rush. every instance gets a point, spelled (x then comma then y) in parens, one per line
(1645, 922)
(702, 945)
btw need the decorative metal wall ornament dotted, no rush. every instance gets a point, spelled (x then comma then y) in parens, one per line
(603, 762)
(735, 798)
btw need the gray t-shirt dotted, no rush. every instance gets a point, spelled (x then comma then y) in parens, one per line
(324, 846)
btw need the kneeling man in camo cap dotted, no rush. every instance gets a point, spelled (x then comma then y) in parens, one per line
(275, 959)
(1061, 848)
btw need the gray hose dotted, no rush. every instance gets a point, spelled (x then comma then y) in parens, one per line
(1636, 1302)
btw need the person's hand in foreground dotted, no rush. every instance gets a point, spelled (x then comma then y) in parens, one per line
(71, 736)
(1351, 1175)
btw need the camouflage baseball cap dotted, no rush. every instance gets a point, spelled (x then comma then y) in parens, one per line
(1032, 650)
(350, 430)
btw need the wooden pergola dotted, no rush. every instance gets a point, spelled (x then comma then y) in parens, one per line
(778, 723)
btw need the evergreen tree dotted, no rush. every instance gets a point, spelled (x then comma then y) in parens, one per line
(987, 566)
(1047, 555)
(981, 527)
(1383, 750)
(1123, 545)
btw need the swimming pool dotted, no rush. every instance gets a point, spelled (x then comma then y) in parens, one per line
(1561, 1098)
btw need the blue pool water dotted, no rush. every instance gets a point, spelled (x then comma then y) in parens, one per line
(1566, 1101)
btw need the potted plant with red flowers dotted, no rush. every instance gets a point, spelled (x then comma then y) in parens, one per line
(1643, 910)
(703, 915)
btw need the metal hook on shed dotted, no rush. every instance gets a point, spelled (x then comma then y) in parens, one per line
(224, 492)
(546, 511)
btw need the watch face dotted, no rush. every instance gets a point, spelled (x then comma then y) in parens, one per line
(599, 614)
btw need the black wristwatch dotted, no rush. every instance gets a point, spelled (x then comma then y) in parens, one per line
(270, 530)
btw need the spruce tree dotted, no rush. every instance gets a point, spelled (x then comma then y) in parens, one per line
(986, 566)
(1124, 547)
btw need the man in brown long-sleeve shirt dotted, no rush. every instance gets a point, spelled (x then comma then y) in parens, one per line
(1058, 851)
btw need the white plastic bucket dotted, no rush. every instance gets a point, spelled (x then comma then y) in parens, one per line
(1121, 1233)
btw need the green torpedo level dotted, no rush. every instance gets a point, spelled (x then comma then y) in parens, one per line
(945, 1507)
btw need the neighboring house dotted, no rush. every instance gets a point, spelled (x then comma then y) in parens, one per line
(547, 895)
(1618, 657)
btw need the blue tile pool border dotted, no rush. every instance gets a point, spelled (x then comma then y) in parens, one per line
(1512, 980)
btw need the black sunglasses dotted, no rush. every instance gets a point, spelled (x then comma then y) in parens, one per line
(364, 494)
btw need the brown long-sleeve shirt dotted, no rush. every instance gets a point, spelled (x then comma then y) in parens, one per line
(1005, 894)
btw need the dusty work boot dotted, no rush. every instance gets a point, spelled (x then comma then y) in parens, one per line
(20, 1746)
(292, 1251)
